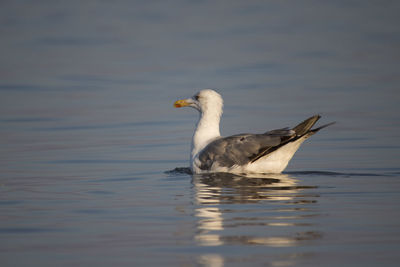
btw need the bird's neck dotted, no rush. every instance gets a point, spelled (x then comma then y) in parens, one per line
(207, 130)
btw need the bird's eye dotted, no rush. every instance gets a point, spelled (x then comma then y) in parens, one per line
(196, 97)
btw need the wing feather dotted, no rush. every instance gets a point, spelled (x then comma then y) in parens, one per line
(241, 149)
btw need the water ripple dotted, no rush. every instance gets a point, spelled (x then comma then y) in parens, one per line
(187, 170)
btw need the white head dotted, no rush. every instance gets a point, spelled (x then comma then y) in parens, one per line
(205, 101)
(209, 103)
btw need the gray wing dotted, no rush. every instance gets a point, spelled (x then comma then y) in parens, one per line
(242, 148)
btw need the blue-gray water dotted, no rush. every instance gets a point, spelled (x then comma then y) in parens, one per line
(90, 142)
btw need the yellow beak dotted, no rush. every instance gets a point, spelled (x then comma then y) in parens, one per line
(181, 103)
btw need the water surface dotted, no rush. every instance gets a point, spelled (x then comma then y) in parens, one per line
(93, 162)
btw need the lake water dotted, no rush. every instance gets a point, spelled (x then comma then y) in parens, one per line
(93, 156)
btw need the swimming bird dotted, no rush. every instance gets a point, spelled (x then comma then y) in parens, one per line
(268, 152)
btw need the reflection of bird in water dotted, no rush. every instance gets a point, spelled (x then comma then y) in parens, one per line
(269, 152)
(216, 196)
(249, 187)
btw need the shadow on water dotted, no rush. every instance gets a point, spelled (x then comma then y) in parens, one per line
(186, 170)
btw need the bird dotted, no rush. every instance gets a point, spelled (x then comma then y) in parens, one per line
(245, 153)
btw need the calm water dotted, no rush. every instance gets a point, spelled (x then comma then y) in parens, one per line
(93, 157)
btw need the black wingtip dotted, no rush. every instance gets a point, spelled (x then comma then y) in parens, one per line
(306, 125)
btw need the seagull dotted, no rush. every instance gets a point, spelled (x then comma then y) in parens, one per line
(268, 152)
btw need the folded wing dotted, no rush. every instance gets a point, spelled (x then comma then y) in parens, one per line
(247, 148)
(241, 149)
